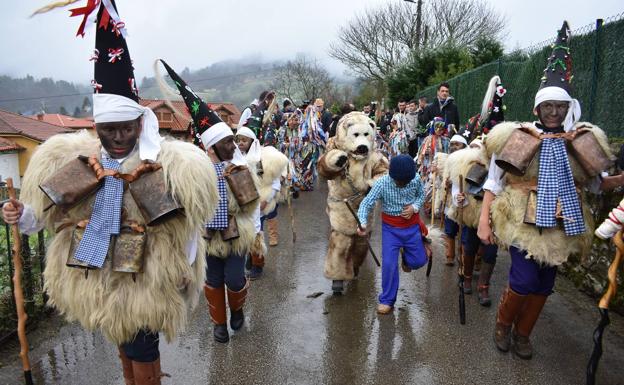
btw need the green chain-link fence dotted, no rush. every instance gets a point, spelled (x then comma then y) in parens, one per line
(598, 83)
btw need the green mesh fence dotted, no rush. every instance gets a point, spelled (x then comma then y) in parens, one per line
(598, 83)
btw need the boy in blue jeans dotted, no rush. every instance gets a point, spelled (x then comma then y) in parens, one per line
(401, 193)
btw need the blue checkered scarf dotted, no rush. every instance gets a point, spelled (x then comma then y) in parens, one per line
(220, 220)
(104, 220)
(555, 182)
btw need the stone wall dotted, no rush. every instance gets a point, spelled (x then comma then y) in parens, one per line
(589, 273)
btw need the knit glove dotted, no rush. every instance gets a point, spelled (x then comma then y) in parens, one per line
(612, 224)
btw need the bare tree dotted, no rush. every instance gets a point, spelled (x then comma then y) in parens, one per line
(303, 78)
(376, 41)
(464, 22)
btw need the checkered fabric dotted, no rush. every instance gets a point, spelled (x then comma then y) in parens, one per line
(104, 219)
(555, 182)
(392, 197)
(220, 220)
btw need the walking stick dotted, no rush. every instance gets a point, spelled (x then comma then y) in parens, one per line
(430, 261)
(460, 219)
(290, 209)
(442, 215)
(603, 308)
(433, 192)
(360, 227)
(18, 293)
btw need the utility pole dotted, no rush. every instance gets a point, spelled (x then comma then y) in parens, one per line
(419, 4)
(418, 23)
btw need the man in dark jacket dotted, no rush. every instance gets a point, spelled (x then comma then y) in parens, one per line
(443, 106)
(326, 116)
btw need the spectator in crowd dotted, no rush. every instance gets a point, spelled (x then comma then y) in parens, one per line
(384, 126)
(326, 116)
(421, 129)
(442, 107)
(370, 110)
(411, 125)
(345, 109)
(251, 109)
(287, 106)
(398, 119)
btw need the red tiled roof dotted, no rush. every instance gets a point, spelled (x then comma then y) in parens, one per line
(180, 123)
(13, 124)
(65, 121)
(9, 145)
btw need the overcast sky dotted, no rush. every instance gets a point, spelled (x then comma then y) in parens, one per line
(196, 33)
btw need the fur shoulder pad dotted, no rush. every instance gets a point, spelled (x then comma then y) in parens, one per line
(459, 162)
(49, 157)
(274, 163)
(496, 139)
(192, 178)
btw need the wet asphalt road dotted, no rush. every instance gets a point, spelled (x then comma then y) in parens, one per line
(293, 337)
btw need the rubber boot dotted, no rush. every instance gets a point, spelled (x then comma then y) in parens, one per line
(524, 325)
(483, 285)
(236, 300)
(337, 286)
(468, 268)
(216, 306)
(272, 229)
(146, 373)
(508, 309)
(126, 366)
(450, 251)
(257, 263)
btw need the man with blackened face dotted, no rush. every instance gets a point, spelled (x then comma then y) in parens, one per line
(538, 210)
(119, 138)
(231, 232)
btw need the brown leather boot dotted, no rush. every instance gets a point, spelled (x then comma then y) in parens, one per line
(450, 251)
(216, 306)
(524, 325)
(468, 267)
(257, 263)
(126, 366)
(510, 305)
(146, 373)
(272, 230)
(236, 300)
(483, 285)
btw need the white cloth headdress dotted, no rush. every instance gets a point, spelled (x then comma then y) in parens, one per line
(559, 94)
(116, 108)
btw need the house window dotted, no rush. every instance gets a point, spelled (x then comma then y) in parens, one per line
(166, 116)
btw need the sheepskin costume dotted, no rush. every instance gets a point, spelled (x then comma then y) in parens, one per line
(458, 164)
(355, 140)
(439, 160)
(274, 166)
(552, 246)
(245, 220)
(110, 301)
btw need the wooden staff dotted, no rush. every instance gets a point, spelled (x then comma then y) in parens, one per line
(18, 293)
(289, 201)
(603, 308)
(446, 192)
(460, 220)
(433, 202)
(370, 248)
